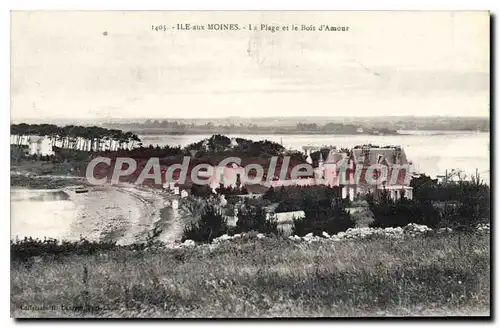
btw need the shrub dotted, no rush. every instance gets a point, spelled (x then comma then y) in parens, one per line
(211, 225)
(288, 205)
(475, 203)
(254, 218)
(201, 191)
(399, 213)
(230, 191)
(465, 203)
(292, 198)
(322, 215)
(24, 249)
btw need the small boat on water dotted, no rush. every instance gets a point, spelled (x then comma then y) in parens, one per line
(76, 190)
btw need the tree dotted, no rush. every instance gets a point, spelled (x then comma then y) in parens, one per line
(192, 206)
(201, 191)
(474, 197)
(463, 203)
(254, 218)
(211, 225)
(76, 137)
(423, 187)
(323, 215)
(400, 212)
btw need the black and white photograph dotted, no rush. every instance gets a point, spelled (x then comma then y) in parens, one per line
(250, 164)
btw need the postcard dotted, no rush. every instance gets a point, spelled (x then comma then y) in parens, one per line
(250, 164)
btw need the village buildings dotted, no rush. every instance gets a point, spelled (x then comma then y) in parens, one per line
(358, 171)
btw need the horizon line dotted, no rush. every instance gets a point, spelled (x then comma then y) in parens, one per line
(245, 117)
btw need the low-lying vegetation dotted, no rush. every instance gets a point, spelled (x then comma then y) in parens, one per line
(270, 277)
(211, 225)
(463, 205)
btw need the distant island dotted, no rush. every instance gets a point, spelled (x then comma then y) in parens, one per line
(152, 127)
(336, 125)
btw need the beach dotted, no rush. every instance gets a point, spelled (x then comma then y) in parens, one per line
(122, 213)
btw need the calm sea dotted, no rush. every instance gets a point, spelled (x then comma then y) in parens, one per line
(40, 213)
(432, 152)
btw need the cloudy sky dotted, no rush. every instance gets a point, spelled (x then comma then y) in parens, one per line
(113, 65)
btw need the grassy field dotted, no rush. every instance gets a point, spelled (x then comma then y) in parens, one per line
(436, 275)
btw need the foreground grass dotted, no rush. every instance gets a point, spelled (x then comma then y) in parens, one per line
(435, 275)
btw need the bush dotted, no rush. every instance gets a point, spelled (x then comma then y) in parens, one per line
(230, 191)
(322, 215)
(292, 198)
(288, 205)
(24, 249)
(432, 275)
(211, 225)
(463, 203)
(254, 218)
(399, 213)
(475, 200)
(203, 191)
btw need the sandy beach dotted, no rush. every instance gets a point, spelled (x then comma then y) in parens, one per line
(123, 213)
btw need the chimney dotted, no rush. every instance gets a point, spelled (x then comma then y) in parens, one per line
(365, 151)
(397, 155)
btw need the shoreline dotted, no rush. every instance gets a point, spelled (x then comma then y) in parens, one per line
(123, 213)
(291, 133)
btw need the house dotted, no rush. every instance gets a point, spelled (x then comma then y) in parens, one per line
(394, 159)
(184, 193)
(39, 146)
(360, 162)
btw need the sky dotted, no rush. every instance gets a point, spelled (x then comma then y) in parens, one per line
(105, 65)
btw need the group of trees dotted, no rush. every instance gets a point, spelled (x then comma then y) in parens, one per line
(252, 217)
(219, 143)
(215, 144)
(213, 149)
(463, 204)
(76, 137)
(323, 207)
(99, 139)
(293, 198)
(152, 151)
(213, 224)
(398, 213)
(261, 148)
(230, 191)
(323, 215)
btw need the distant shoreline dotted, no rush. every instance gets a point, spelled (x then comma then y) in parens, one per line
(426, 132)
(142, 132)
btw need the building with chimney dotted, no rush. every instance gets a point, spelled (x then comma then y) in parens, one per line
(366, 169)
